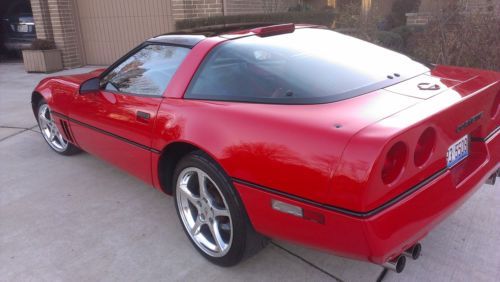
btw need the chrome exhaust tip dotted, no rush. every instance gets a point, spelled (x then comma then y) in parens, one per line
(397, 265)
(414, 251)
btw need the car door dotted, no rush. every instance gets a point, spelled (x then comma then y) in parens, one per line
(116, 122)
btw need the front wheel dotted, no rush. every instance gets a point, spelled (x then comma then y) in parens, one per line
(211, 212)
(51, 133)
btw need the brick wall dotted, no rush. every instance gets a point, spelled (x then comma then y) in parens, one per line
(63, 22)
(189, 9)
(55, 20)
(236, 7)
(41, 15)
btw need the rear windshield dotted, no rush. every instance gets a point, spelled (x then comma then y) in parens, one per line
(307, 66)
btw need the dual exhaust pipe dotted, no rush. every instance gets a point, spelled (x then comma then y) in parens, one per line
(398, 264)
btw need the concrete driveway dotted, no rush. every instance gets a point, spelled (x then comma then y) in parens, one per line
(80, 219)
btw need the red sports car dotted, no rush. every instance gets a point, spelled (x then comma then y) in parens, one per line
(287, 131)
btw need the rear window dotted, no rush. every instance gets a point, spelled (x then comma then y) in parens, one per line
(307, 66)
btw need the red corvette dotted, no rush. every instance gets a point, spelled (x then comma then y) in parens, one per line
(291, 132)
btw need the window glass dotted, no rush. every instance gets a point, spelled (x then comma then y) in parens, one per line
(147, 72)
(307, 66)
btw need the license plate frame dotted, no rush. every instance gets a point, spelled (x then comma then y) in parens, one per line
(458, 151)
(22, 28)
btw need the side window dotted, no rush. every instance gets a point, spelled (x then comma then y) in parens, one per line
(147, 72)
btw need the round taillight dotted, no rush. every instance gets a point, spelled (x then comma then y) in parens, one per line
(425, 146)
(394, 162)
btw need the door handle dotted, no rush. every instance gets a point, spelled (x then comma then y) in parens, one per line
(143, 116)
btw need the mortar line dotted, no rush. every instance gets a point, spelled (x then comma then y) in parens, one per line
(308, 262)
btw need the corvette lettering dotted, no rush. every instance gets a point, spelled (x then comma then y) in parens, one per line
(469, 122)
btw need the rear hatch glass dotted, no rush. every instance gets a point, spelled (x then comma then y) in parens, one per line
(307, 66)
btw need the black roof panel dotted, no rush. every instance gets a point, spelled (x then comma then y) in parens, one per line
(191, 37)
(188, 40)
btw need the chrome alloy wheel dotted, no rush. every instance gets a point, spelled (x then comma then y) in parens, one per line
(204, 212)
(49, 130)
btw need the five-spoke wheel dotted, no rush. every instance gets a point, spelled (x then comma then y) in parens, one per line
(211, 211)
(51, 133)
(49, 130)
(204, 212)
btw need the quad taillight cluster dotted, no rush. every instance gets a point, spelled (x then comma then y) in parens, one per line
(394, 162)
(424, 147)
(396, 158)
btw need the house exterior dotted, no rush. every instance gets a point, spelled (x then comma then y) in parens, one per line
(97, 32)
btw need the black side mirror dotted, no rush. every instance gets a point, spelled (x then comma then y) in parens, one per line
(90, 85)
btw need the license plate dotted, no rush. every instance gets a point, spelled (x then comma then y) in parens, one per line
(22, 28)
(458, 151)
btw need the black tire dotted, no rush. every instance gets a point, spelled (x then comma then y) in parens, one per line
(68, 150)
(245, 240)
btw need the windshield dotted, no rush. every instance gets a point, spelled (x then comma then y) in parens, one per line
(304, 67)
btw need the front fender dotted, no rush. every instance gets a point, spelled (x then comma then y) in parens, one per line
(57, 92)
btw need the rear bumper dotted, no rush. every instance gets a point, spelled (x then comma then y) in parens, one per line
(18, 44)
(386, 234)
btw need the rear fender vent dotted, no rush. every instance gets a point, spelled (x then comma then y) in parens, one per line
(67, 132)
